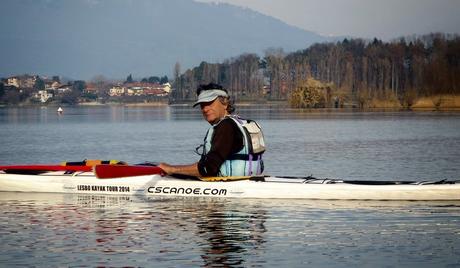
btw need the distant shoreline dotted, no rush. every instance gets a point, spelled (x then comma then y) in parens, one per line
(432, 103)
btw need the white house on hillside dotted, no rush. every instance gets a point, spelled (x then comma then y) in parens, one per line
(43, 95)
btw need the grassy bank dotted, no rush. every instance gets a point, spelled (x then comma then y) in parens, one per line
(445, 102)
(435, 102)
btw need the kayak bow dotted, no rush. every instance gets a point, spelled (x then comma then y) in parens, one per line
(38, 168)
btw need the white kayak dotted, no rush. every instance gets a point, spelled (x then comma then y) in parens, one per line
(256, 187)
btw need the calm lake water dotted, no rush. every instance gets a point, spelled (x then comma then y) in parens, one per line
(82, 230)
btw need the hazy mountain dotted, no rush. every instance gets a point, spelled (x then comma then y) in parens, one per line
(84, 38)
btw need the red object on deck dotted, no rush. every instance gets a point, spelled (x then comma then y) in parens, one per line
(119, 171)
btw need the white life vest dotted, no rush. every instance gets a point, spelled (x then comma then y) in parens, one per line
(248, 161)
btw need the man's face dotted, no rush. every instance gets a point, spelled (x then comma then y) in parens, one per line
(213, 111)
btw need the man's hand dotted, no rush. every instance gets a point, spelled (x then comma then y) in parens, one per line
(190, 170)
(167, 169)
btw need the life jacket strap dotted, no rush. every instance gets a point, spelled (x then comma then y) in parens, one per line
(245, 157)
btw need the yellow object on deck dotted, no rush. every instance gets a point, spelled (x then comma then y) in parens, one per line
(231, 178)
(93, 162)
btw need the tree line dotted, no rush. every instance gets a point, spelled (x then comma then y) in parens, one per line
(150, 79)
(358, 70)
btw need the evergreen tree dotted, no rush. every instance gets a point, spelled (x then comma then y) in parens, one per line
(164, 80)
(39, 84)
(78, 86)
(129, 79)
(2, 89)
(154, 79)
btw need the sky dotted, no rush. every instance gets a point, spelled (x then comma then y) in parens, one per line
(384, 19)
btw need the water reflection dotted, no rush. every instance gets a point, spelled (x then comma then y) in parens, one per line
(219, 232)
(222, 234)
(230, 234)
(98, 230)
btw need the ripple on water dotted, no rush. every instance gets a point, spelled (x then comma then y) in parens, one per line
(73, 230)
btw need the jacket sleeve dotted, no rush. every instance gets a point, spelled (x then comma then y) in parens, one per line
(227, 140)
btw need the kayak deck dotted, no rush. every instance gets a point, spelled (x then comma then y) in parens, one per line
(257, 187)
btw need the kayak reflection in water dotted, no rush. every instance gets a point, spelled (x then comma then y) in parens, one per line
(232, 147)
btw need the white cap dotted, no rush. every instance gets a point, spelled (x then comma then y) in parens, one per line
(210, 95)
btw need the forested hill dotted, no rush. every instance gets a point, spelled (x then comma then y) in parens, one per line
(84, 38)
(357, 72)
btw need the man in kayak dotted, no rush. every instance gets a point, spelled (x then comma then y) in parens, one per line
(232, 146)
